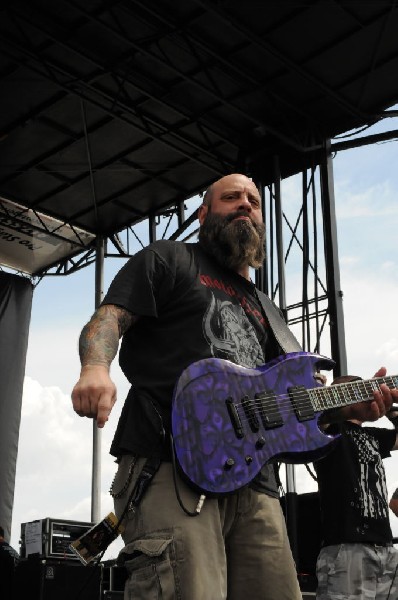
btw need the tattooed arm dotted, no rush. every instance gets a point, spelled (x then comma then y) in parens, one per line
(95, 393)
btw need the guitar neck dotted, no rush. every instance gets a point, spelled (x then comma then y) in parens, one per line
(343, 394)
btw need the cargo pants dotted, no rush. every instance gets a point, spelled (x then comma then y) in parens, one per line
(236, 548)
(357, 572)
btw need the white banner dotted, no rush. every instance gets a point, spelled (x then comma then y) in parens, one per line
(31, 241)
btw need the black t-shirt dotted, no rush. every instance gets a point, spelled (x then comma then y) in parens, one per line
(190, 308)
(352, 486)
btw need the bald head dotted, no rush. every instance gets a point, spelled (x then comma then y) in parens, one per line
(234, 192)
(227, 180)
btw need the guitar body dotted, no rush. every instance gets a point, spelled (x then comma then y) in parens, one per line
(223, 435)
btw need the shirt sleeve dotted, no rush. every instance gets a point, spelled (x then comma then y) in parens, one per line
(144, 283)
(386, 438)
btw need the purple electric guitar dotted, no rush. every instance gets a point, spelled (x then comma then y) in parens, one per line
(228, 421)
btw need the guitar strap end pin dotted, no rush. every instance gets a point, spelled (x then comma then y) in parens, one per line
(202, 498)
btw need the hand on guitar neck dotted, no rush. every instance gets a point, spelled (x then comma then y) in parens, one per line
(362, 411)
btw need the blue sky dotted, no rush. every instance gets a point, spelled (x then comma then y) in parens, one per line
(54, 461)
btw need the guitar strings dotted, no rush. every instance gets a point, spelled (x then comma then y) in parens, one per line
(283, 405)
(312, 397)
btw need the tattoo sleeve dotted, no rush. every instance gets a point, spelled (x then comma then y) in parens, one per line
(99, 339)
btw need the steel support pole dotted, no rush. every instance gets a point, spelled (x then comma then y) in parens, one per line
(152, 229)
(291, 494)
(261, 274)
(96, 460)
(279, 237)
(335, 295)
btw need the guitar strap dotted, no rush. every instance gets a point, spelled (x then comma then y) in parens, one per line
(285, 338)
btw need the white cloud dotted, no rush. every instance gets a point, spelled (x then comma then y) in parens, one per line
(389, 348)
(370, 321)
(378, 200)
(349, 261)
(52, 356)
(54, 465)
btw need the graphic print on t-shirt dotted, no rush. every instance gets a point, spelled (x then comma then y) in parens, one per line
(371, 505)
(230, 334)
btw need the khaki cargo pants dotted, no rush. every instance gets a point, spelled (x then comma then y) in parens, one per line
(236, 548)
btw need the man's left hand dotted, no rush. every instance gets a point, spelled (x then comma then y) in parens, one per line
(379, 406)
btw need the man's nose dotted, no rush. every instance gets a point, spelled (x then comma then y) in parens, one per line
(244, 203)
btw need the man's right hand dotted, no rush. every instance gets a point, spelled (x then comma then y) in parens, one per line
(94, 394)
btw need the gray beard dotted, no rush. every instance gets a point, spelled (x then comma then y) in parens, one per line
(234, 244)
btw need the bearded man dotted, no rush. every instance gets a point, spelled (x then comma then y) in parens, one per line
(174, 304)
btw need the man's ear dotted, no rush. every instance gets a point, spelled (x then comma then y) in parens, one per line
(202, 213)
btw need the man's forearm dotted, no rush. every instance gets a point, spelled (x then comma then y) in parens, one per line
(334, 415)
(99, 339)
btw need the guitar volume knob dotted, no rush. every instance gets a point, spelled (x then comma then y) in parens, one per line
(260, 443)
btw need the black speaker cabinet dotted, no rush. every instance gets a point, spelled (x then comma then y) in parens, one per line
(307, 522)
(48, 580)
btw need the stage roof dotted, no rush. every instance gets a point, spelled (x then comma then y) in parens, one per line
(112, 111)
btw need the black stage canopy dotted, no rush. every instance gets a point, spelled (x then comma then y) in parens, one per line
(112, 111)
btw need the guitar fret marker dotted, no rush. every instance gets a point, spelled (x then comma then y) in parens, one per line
(374, 386)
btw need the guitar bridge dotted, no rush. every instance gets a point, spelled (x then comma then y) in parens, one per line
(301, 403)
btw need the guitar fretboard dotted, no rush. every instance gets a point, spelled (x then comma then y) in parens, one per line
(343, 394)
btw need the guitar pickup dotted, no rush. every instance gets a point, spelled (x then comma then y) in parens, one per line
(301, 403)
(268, 409)
(250, 411)
(235, 418)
